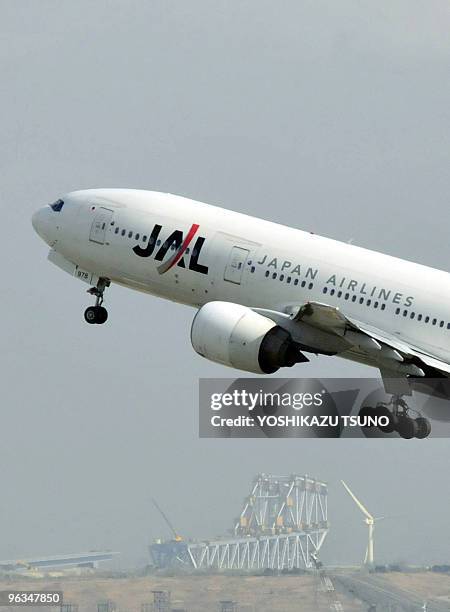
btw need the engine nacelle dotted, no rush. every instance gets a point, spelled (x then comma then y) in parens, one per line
(236, 336)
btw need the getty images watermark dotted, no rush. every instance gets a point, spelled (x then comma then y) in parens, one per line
(331, 408)
(241, 398)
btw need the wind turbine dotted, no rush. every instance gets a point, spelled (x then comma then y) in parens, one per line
(370, 522)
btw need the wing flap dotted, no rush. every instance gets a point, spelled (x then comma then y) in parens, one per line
(386, 348)
(404, 349)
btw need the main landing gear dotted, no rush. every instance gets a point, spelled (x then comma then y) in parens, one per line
(396, 411)
(97, 314)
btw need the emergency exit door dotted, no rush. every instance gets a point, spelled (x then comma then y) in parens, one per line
(100, 224)
(235, 265)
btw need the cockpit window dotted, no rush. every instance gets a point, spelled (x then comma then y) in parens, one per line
(56, 206)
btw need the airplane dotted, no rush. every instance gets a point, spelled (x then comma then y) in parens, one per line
(266, 294)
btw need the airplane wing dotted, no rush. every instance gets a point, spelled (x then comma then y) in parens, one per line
(407, 349)
(332, 319)
(392, 351)
(394, 357)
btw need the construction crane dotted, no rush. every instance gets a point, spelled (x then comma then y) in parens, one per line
(176, 537)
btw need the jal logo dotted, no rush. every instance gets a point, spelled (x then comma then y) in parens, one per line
(179, 243)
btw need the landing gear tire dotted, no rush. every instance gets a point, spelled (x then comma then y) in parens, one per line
(366, 412)
(423, 428)
(102, 315)
(396, 414)
(407, 428)
(95, 315)
(390, 427)
(90, 315)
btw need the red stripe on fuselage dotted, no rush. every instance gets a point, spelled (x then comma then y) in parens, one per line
(177, 256)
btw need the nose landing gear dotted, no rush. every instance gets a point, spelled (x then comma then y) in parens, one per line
(97, 314)
(397, 413)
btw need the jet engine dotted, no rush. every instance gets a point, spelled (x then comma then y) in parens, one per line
(236, 336)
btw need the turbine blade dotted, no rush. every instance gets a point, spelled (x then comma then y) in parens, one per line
(357, 502)
(391, 516)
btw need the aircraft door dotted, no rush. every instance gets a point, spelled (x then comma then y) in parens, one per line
(99, 225)
(235, 264)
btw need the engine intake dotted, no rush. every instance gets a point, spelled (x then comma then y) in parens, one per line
(238, 337)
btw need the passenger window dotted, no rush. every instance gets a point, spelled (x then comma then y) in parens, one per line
(383, 306)
(267, 273)
(419, 317)
(137, 237)
(347, 295)
(325, 290)
(289, 279)
(296, 281)
(274, 275)
(434, 321)
(361, 300)
(303, 283)
(405, 312)
(353, 298)
(369, 302)
(339, 294)
(333, 291)
(441, 324)
(130, 234)
(427, 318)
(281, 277)
(310, 286)
(252, 269)
(412, 315)
(123, 232)
(397, 311)
(144, 238)
(116, 231)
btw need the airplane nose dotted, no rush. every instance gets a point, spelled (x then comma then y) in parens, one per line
(38, 221)
(41, 222)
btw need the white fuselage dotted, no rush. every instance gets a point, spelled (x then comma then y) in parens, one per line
(233, 257)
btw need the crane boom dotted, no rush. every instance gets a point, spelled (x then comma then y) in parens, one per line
(176, 537)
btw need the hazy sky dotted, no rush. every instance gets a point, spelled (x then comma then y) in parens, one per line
(328, 116)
